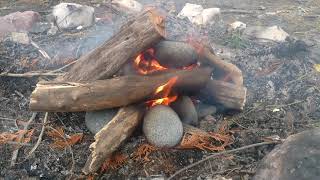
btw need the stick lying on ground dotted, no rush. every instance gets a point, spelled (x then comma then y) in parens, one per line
(109, 93)
(109, 138)
(134, 37)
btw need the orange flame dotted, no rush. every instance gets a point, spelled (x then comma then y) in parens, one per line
(165, 92)
(145, 66)
(146, 63)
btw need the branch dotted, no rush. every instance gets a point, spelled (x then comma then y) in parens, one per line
(31, 74)
(40, 136)
(16, 151)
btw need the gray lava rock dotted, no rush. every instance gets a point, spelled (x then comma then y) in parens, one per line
(175, 54)
(204, 110)
(298, 158)
(186, 110)
(96, 120)
(162, 126)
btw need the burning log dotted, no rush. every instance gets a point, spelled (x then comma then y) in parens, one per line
(109, 138)
(134, 37)
(109, 93)
(228, 71)
(223, 70)
(231, 96)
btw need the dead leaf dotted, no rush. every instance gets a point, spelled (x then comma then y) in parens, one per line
(29, 64)
(90, 177)
(269, 69)
(27, 136)
(223, 127)
(6, 136)
(114, 162)
(317, 67)
(61, 140)
(56, 133)
(205, 141)
(143, 152)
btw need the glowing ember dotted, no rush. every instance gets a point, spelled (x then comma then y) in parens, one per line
(147, 66)
(164, 91)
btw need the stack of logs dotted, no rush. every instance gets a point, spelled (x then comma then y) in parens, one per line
(90, 84)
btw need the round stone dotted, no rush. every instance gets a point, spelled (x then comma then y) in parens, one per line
(96, 120)
(174, 54)
(162, 126)
(186, 110)
(204, 110)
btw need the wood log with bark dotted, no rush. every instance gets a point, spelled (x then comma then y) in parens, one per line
(109, 93)
(110, 137)
(230, 95)
(134, 37)
(223, 70)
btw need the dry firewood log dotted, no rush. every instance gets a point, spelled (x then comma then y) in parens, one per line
(134, 37)
(110, 137)
(116, 92)
(222, 70)
(231, 96)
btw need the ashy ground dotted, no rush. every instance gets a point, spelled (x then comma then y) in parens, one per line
(283, 90)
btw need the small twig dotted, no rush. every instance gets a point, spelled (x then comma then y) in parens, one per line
(63, 67)
(34, 73)
(19, 94)
(16, 151)
(227, 170)
(297, 79)
(40, 136)
(284, 105)
(221, 153)
(42, 51)
(238, 11)
(7, 119)
(16, 143)
(31, 74)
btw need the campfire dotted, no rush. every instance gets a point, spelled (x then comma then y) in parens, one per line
(163, 71)
(145, 66)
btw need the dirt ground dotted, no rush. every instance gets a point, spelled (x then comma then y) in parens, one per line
(283, 90)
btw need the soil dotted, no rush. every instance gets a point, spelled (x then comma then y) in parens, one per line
(283, 90)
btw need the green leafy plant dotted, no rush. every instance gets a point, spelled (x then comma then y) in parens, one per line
(236, 40)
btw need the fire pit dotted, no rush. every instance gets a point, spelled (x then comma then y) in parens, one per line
(159, 73)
